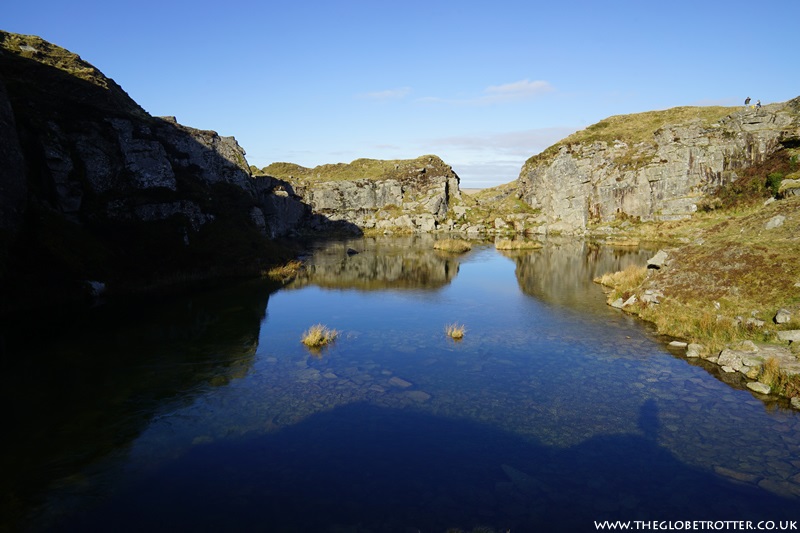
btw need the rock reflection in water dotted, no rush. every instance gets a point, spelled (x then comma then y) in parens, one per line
(379, 263)
(561, 272)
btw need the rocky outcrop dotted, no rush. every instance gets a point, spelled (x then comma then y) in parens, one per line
(652, 166)
(405, 195)
(94, 188)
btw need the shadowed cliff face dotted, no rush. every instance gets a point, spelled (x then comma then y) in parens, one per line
(94, 188)
(655, 166)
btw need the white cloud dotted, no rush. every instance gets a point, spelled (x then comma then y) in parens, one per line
(509, 92)
(518, 90)
(389, 94)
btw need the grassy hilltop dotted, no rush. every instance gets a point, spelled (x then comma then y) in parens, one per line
(372, 169)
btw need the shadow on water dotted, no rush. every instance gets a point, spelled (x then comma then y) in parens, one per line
(359, 467)
(85, 386)
(367, 468)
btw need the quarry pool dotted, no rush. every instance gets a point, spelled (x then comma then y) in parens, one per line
(206, 413)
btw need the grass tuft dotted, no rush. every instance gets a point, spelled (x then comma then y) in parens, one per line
(318, 336)
(455, 246)
(455, 331)
(285, 272)
(778, 380)
(623, 282)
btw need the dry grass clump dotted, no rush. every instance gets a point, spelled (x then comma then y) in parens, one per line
(508, 244)
(713, 331)
(624, 281)
(455, 246)
(318, 336)
(455, 331)
(285, 272)
(778, 380)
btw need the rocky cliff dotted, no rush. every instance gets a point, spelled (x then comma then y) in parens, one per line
(651, 166)
(414, 195)
(94, 188)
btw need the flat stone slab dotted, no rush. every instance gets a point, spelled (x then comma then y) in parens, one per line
(760, 388)
(791, 335)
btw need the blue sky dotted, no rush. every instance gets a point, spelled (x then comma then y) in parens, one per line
(484, 85)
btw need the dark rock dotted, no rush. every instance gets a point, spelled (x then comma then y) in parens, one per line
(13, 186)
(110, 193)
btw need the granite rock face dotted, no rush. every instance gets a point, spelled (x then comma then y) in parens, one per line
(93, 185)
(406, 195)
(659, 178)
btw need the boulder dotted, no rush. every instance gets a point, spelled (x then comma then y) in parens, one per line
(782, 316)
(791, 335)
(658, 260)
(775, 222)
(738, 360)
(694, 350)
(760, 388)
(789, 187)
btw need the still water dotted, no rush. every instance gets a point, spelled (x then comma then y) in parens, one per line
(206, 413)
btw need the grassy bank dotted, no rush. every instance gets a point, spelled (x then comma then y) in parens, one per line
(729, 271)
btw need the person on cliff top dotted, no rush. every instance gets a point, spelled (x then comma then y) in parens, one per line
(747, 101)
(758, 104)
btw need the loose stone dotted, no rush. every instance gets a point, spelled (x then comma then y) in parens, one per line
(791, 335)
(782, 316)
(760, 388)
(694, 350)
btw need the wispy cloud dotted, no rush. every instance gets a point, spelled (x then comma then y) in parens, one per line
(513, 143)
(518, 90)
(389, 94)
(508, 92)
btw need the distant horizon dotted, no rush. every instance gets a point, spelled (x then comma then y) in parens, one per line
(484, 87)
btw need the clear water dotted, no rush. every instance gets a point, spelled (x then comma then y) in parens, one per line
(206, 413)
